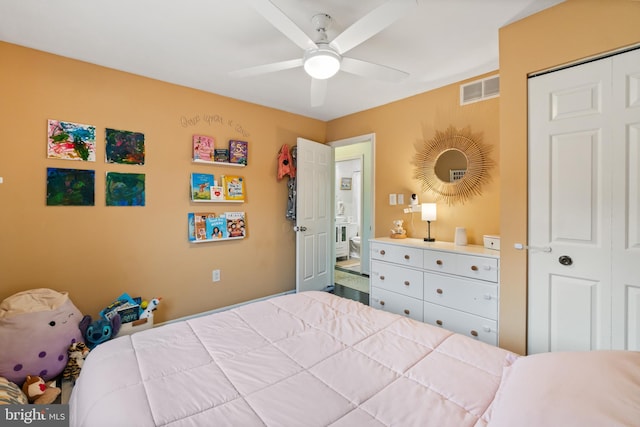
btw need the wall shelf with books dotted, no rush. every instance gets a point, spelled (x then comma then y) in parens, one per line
(207, 162)
(214, 227)
(229, 188)
(205, 151)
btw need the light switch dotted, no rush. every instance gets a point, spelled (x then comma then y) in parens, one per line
(392, 200)
(401, 199)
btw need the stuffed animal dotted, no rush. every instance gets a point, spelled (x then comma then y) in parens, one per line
(397, 229)
(36, 329)
(151, 305)
(11, 394)
(77, 353)
(39, 392)
(99, 331)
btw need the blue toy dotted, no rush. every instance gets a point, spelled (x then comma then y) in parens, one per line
(101, 330)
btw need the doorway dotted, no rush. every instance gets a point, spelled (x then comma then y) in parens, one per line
(353, 203)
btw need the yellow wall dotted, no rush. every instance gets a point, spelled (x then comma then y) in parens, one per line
(401, 129)
(568, 32)
(96, 253)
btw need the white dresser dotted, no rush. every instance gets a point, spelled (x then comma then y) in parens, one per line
(455, 287)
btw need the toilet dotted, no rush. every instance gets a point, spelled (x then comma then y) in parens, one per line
(354, 247)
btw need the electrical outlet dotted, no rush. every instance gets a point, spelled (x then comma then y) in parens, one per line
(215, 276)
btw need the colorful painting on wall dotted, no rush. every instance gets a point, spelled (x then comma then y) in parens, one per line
(125, 189)
(70, 187)
(71, 141)
(124, 147)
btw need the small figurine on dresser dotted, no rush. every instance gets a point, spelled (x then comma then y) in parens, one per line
(397, 232)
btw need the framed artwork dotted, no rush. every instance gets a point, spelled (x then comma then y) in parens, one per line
(70, 187)
(71, 141)
(123, 146)
(345, 183)
(125, 189)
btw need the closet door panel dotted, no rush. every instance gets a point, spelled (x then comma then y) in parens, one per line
(625, 266)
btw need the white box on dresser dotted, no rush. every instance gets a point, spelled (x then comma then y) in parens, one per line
(455, 287)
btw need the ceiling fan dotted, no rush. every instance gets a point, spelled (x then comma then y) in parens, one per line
(322, 59)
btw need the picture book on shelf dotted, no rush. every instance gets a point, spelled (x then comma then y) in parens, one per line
(207, 226)
(233, 187)
(217, 192)
(238, 151)
(236, 226)
(201, 184)
(203, 147)
(221, 155)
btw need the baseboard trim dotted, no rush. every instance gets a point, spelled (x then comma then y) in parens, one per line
(221, 309)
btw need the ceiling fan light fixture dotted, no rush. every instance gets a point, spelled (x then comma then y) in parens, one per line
(321, 63)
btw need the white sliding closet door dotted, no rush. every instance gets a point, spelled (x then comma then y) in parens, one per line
(584, 281)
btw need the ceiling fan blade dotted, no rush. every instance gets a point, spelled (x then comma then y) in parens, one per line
(371, 24)
(278, 19)
(371, 70)
(266, 68)
(318, 92)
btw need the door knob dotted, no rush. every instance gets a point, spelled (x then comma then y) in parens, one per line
(299, 228)
(565, 260)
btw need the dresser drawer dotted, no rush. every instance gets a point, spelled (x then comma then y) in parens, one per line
(472, 296)
(444, 262)
(475, 267)
(480, 328)
(396, 303)
(478, 267)
(395, 278)
(403, 255)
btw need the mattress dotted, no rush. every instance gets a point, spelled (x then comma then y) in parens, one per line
(307, 359)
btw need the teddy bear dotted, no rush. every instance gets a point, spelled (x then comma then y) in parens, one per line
(39, 392)
(77, 352)
(397, 230)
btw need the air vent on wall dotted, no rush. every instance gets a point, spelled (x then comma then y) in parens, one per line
(480, 90)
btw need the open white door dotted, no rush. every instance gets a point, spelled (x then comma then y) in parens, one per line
(314, 216)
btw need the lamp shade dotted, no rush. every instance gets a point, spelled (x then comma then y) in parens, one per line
(429, 212)
(321, 63)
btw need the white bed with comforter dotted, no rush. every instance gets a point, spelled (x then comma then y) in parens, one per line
(314, 359)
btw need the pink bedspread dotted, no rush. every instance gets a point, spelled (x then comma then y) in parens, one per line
(309, 359)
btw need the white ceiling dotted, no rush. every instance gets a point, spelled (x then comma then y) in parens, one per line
(196, 43)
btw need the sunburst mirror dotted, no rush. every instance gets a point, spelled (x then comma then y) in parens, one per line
(453, 165)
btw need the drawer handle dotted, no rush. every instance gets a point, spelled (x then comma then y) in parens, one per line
(406, 311)
(381, 302)
(382, 252)
(439, 322)
(474, 333)
(439, 291)
(407, 283)
(381, 277)
(439, 262)
(407, 257)
(474, 268)
(487, 297)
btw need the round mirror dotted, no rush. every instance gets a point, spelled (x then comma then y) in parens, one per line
(451, 165)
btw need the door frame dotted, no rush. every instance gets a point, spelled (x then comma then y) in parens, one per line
(368, 209)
